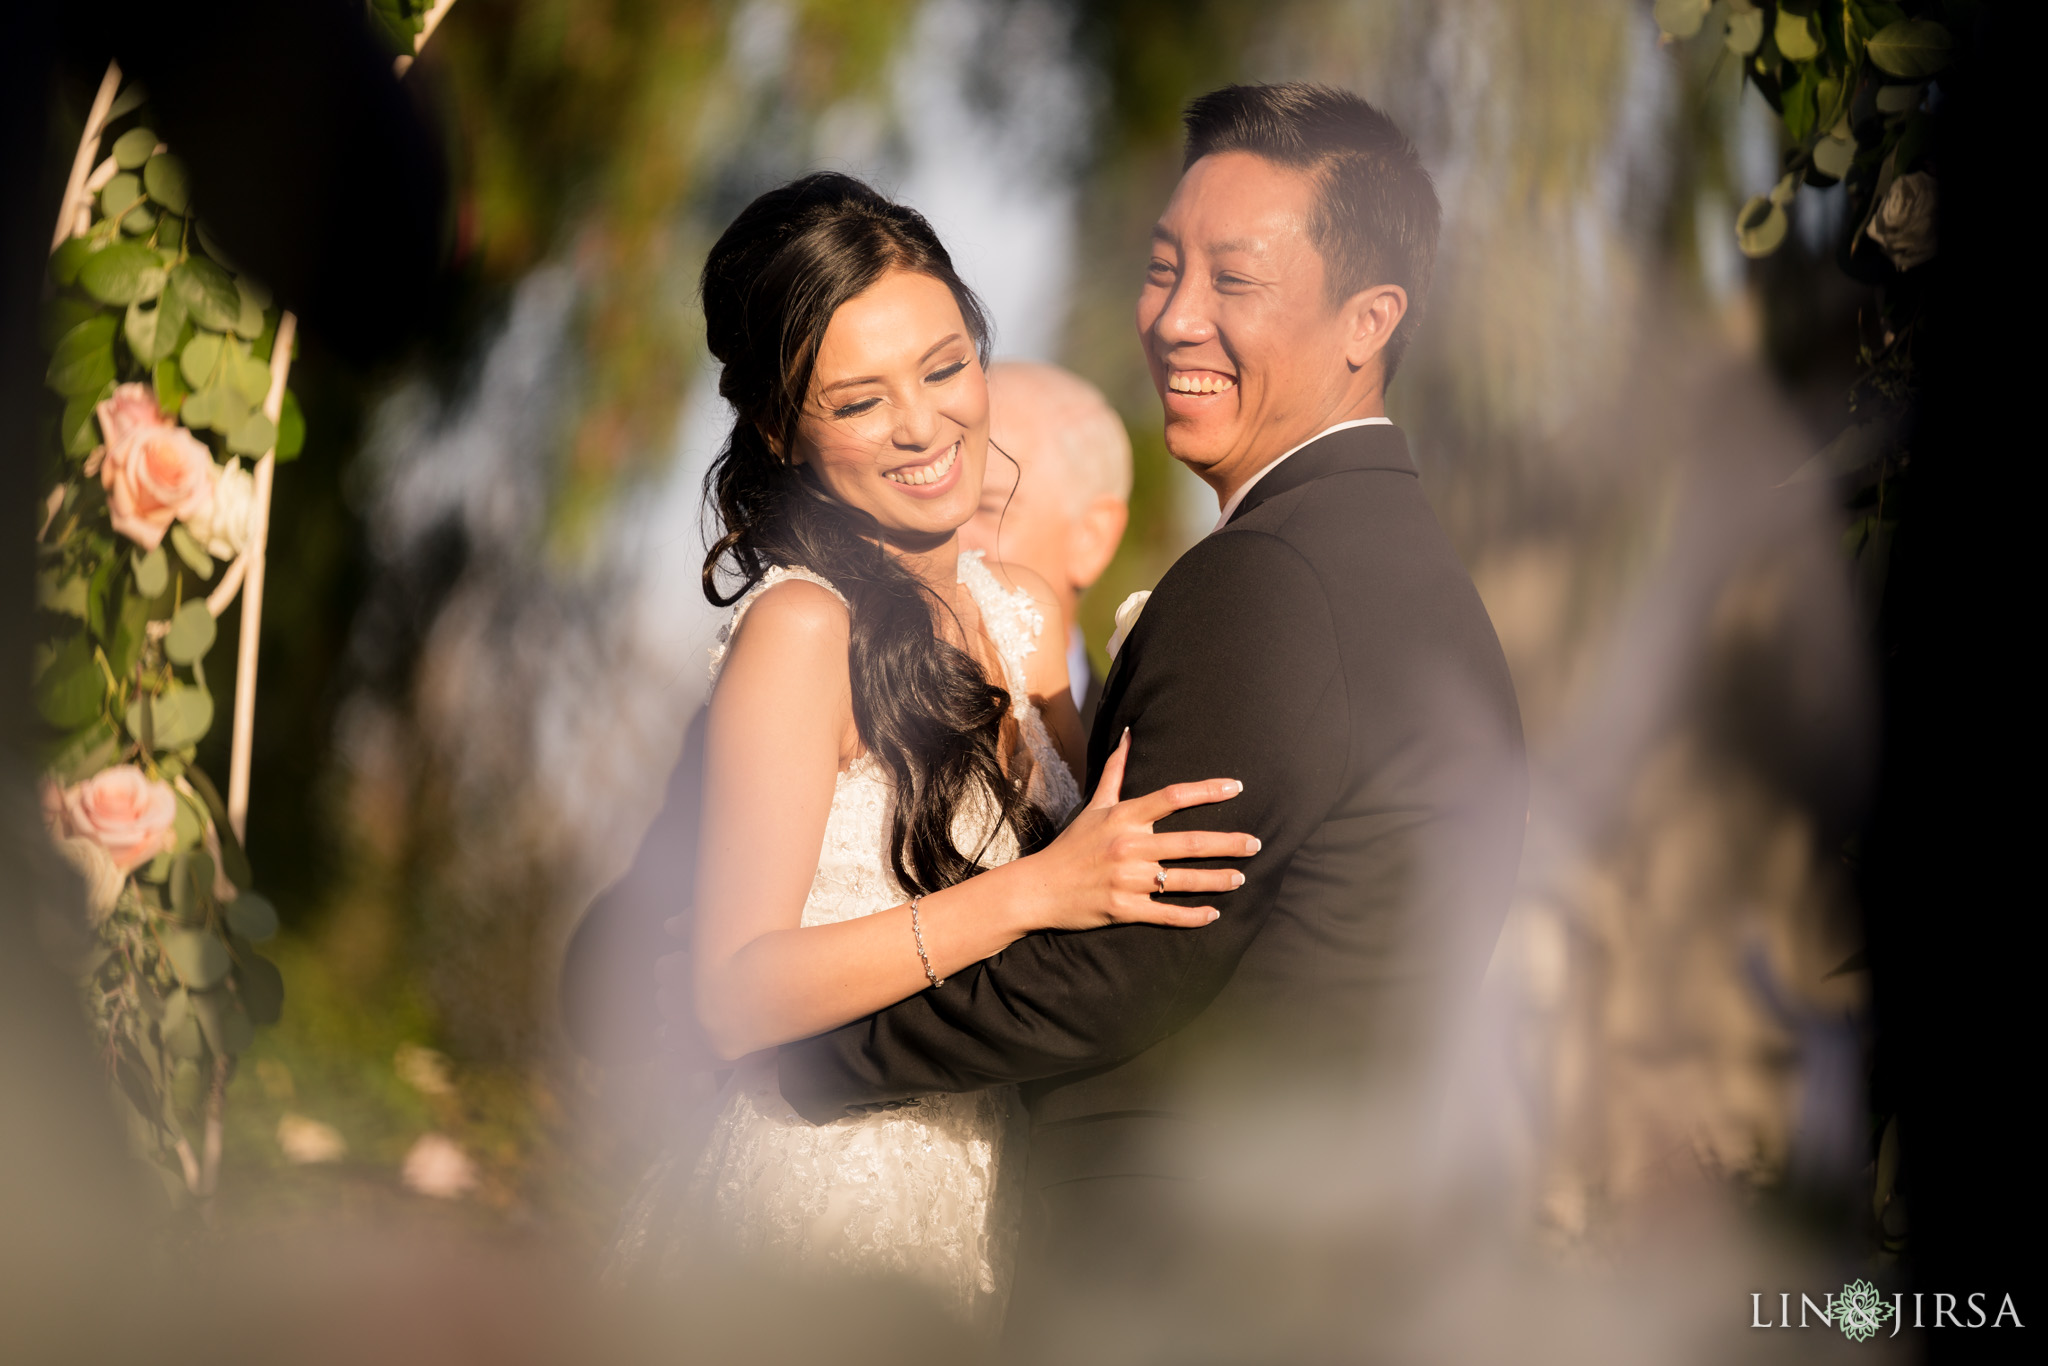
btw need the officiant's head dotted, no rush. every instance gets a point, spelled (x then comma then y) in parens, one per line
(1287, 273)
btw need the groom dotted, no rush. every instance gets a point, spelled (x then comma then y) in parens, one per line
(1324, 646)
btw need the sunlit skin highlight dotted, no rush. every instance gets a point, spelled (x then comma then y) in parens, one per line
(1249, 356)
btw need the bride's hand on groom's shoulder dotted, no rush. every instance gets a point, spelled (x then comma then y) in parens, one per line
(1108, 865)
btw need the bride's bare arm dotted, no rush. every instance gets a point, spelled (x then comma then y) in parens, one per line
(780, 726)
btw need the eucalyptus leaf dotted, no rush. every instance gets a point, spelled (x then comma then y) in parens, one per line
(170, 386)
(167, 182)
(261, 987)
(191, 634)
(172, 322)
(180, 1026)
(83, 360)
(200, 358)
(1912, 48)
(1760, 226)
(1745, 32)
(138, 221)
(66, 595)
(1899, 99)
(61, 314)
(122, 273)
(131, 628)
(152, 571)
(224, 1022)
(213, 247)
(79, 425)
(189, 828)
(1833, 156)
(186, 887)
(191, 552)
(209, 292)
(85, 752)
(138, 327)
(1680, 18)
(119, 195)
(1798, 36)
(133, 147)
(253, 917)
(180, 715)
(253, 435)
(200, 958)
(70, 689)
(254, 300)
(172, 234)
(199, 408)
(249, 376)
(65, 261)
(232, 860)
(128, 101)
(291, 429)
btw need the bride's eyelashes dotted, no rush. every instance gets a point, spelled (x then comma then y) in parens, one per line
(868, 405)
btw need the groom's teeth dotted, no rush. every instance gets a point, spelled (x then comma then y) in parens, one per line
(927, 474)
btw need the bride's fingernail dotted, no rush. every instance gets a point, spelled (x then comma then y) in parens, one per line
(1214, 916)
(1236, 880)
(1252, 844)
(1231, 787)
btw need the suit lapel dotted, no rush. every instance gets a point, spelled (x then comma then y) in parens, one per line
(1378, 447)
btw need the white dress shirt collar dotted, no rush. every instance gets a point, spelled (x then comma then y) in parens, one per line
(1237, 499)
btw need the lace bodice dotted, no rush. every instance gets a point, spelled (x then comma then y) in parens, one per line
(924, 1189)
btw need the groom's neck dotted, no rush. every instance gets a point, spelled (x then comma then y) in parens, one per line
(1232, 473)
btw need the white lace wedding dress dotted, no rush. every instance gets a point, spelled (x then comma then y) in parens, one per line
(925, 1190)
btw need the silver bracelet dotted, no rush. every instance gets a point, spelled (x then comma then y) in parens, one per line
(917, 933)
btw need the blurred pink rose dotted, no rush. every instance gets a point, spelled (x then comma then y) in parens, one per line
(133, 406)
(154, 475)
(125, 812)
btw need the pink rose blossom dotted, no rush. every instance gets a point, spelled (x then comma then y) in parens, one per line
(133, 406)
(154, 475)
(125, 812)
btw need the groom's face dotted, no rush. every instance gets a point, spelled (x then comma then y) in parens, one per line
(1245, 349)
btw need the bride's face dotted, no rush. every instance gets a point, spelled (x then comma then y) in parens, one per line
(896, 422)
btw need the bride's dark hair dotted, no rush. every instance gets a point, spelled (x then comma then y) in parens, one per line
(924, 707)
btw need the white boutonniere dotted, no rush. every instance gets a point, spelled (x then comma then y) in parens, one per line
(1126, 617)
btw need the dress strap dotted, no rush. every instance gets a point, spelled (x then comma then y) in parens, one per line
(776, 574)
(1011, 617)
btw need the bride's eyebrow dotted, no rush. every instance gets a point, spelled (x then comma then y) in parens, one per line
(936, 347)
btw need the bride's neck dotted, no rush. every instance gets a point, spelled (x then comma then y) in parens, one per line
(937, 562)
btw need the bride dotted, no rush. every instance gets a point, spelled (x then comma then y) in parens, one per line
(889, 757)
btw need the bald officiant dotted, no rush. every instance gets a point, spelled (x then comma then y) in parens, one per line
(1059, 504)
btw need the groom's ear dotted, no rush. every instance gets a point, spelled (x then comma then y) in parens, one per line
(1370, 317)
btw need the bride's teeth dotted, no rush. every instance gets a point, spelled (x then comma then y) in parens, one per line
(1200, 384)
(927, 474)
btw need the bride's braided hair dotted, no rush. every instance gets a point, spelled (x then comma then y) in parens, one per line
(924, 707)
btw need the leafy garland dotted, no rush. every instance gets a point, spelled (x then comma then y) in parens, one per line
(171, 368)
(171, 365)
(1853, 82)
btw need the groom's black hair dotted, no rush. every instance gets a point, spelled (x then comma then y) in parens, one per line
(1378, 217)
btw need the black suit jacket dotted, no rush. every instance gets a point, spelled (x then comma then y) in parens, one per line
(1328, 649)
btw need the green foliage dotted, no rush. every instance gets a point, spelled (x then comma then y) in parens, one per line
(143, 308)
